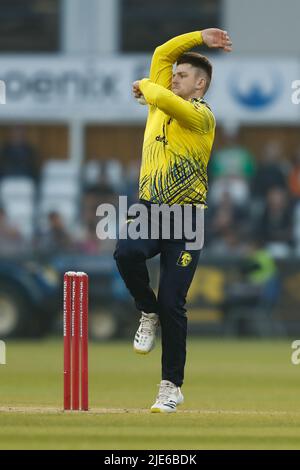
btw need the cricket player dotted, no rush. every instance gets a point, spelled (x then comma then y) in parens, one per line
(178, 140)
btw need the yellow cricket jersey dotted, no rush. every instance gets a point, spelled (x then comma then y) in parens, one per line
(179, 134)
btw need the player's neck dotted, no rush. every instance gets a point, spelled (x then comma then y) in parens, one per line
(197, 96)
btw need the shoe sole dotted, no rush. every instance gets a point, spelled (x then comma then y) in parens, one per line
(143, 353)
(140, 351)
(159, 410)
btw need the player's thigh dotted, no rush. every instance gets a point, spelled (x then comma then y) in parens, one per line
(177, 269)
(135, 248)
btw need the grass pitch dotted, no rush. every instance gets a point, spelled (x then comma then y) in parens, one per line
(238, 395)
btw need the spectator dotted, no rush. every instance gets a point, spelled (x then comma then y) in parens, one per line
(100, 191)
(231, 169)
(271, 172)
(232, 161)
(89, 244)
(224, 218)
(18, 157)
(230, 244)
(56, 238)
(275, 224)
(11, 241)
(294, 177)
(249, 302)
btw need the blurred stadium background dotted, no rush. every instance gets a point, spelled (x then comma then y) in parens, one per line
(71, 137)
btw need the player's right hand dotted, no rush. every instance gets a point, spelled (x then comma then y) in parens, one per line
(217, 38)
(136, 89)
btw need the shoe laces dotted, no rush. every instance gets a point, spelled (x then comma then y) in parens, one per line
(165, 390)
(147, 324)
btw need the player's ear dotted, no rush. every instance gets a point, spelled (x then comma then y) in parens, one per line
(200, 83)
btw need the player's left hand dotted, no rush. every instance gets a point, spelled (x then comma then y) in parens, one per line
(217, 38)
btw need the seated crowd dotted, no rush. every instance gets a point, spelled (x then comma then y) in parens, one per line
(248, 197)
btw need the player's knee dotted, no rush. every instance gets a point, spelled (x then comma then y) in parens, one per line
(170, 305)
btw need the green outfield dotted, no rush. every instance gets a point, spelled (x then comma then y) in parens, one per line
(239, 395)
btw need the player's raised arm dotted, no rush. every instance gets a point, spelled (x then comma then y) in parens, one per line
(166, 55)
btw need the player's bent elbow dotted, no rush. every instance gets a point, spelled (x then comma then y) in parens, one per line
(160, 52)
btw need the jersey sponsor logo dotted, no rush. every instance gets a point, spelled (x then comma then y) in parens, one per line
(184, 259)
(161, 139)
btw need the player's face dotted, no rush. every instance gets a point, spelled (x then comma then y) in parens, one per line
(185, 81)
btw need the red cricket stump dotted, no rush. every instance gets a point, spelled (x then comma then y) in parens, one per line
(67, 339)
(75, 341)
(84, 341)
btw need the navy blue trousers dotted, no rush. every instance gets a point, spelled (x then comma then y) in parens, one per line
(177, 268)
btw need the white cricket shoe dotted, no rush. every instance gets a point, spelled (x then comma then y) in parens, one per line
(144, 340)
(169, 396)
